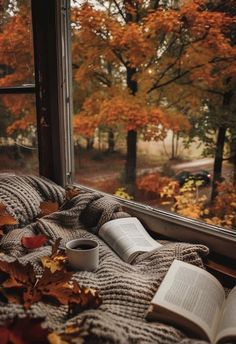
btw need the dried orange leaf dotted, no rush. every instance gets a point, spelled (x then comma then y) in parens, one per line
(19, 284)
(48, 207)
(70, 335)
(7, 220)
(71, 193)
(5, 217)
(2, 208)
(55, 338)
(55, 247)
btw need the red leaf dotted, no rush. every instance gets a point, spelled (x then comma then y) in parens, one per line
(34, 241)
(23, 331)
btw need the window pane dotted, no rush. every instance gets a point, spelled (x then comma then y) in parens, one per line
(18, 140)
(154, 104)
(16, 48)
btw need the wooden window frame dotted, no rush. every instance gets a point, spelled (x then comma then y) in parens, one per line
(50, 21)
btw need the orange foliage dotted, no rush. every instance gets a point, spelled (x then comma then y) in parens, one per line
(186, 201)
(224, 207)
(17, 54)
(161, 46)
(153, 182)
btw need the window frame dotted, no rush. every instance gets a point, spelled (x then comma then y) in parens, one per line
(172, 226)
(53, 89)
(50, 21)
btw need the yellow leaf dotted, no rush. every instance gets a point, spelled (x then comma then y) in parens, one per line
(54, 264)
(54, 338)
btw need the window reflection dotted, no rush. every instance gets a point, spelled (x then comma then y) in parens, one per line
(18, 135)
(16, 48)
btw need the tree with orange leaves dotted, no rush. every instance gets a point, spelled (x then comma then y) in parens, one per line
(16, 54)
(135, 54)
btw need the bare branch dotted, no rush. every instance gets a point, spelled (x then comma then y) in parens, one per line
(120, 11)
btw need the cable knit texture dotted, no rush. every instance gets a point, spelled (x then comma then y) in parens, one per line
(126, 289)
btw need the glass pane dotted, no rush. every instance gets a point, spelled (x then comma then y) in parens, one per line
(154, 104)
(16, 48)
(18, 136)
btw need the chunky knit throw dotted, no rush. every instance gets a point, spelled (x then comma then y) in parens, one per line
(126, 290)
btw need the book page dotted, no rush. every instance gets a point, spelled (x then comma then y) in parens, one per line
(227, 325)
(127, 236)
(192, 293)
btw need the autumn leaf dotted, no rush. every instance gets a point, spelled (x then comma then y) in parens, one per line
(54, 264)
(14, 331)
(71, 193)
(48, 207)
(71, 332)
(56, 338)
(55, 247)
(5, 218)
(57, 259)
(19, 284)
(59, 288)
(15, 279)
(33, 241)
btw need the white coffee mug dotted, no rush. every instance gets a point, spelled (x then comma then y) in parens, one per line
(83, 254)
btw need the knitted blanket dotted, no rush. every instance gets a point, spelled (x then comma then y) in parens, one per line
(126, 289)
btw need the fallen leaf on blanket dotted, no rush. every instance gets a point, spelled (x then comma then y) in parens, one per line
(19, 284)
(5, 218)
(55, 247)
(33, 241)
(15, 279)
(15, 274)
(61, 288)
(54, 264)
(55, 338)
(71, 193)
(69, 336)
(15, 332)
(2, 208)
(57, 260)
(48, 207)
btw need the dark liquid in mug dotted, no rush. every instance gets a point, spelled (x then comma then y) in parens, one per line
(83, 247)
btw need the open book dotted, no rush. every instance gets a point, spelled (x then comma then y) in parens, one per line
(194, 300)
(127, 237)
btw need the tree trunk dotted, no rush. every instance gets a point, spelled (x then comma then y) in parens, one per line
(217, 169)
(233, 158)
(173, 146)
(89, 143)
(131, 159)
(131, 155)
(111, 141)
(132, 85)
